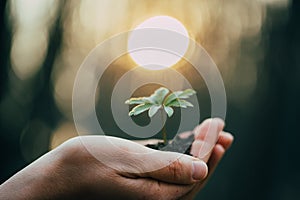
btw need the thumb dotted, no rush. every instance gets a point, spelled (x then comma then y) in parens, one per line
(171, 167)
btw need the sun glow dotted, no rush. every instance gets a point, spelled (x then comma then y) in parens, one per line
(155, 59)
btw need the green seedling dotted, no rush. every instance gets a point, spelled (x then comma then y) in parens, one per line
(161, 100)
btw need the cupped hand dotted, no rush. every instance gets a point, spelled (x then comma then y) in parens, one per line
(210, 145)
(95, 167)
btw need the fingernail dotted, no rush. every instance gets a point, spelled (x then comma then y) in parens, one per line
(199, 170)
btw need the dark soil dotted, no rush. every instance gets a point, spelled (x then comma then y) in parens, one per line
(178, 144)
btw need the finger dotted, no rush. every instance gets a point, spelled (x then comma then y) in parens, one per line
(224, 143)
(196, 147)
(225, 139)
(145, 142)
(206, 136)
(174, 168)
(185, 134)
(146, 188)
(215, 158)
(207, 126)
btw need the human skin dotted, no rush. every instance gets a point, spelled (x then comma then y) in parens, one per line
(101, 171)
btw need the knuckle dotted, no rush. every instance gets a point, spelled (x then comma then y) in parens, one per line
(175, 169)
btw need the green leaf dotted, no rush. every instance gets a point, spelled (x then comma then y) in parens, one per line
(180, 103)
(159, 95)
(169, 111)
(155, 101)
(187, 93)
(139, 109)
(139, 100)
(149, 100)
(179, 95)
(174, 103)
(170, 98)
(153, 110)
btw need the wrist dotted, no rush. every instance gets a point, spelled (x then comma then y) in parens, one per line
(39, 180)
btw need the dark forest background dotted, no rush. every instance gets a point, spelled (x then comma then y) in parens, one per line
(263, 162)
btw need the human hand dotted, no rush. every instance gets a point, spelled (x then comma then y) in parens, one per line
(201, 145)
(72, 172)
(210, 144)
(129, 171)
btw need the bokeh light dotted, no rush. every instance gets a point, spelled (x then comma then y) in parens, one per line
(219, 27)
(31, 21)
(155, 59)
(254, 44)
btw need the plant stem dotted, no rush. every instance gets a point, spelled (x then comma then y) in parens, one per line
(164, 131)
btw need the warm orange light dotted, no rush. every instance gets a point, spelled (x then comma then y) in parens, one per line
(155, 59)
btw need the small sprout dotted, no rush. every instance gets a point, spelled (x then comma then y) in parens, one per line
(160, 100)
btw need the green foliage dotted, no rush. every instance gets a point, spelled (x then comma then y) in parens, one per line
(139, 109)
(160, 100)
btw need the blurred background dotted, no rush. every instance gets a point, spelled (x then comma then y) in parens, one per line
(255, 45)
